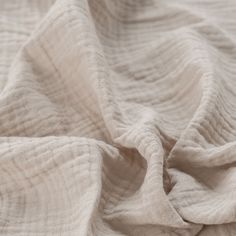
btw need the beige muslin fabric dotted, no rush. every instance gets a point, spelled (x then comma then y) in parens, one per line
(117, 117)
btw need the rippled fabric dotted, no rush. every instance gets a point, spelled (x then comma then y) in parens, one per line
(117, 117)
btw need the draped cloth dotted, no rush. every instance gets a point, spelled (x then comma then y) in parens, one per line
(117, 117)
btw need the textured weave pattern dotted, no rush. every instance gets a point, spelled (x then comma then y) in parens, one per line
(117, 118)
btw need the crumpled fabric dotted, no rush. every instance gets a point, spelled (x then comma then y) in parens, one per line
(117, 117)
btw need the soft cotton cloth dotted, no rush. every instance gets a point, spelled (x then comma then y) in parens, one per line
(117, 117)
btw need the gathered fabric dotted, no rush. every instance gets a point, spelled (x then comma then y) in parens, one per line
(117, 118)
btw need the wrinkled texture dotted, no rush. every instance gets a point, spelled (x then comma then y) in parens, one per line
(118, 117)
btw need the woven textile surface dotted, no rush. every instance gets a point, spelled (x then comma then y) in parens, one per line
(117, 117)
